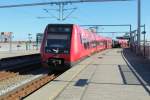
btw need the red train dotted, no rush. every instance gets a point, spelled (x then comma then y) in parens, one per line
(66, 44)
(123, 43)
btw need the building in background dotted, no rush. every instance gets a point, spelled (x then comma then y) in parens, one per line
(5, 37)
(39, 37)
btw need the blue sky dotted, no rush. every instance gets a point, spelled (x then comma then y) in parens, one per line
(22, 21)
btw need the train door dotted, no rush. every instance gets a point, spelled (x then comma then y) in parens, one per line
(105, 42)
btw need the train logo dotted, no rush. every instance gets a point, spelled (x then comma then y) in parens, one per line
(56, 50)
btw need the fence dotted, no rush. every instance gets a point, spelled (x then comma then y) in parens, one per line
(144, 50)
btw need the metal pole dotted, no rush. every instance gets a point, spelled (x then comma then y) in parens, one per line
(131, 38)
(144, 40)
(29, 36)
(139, 25)
(61, 11)
(37, 41)
(96, 29)
(10, 46)
(62, 16)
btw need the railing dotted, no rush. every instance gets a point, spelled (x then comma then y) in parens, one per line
(144, 50)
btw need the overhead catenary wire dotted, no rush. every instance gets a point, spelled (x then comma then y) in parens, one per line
(56, 3)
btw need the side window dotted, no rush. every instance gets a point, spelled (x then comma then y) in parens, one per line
(84, 41)
(85, 45)
(94, 44)
(88, 45)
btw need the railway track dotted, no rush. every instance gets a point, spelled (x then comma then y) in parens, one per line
(11, 67)
(24, 83)
(28, 88)
(19, 80)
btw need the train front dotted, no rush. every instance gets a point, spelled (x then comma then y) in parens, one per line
(55, 48)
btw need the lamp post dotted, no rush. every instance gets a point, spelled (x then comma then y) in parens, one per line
(10, 42)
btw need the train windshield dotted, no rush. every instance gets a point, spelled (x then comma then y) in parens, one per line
(58, 39)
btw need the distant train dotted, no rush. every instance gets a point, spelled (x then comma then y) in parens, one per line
(66, 44)
(115, 44)
(120, 43)
(123, 43)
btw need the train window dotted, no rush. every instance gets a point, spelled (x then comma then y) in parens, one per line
(67, 29)
(101, 43)
(97, 43)
(87, 45)
(93, 44)
(61, 41)
(59, 29)
(51, 29)
(59, 36)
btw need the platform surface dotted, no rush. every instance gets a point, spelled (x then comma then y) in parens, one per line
(103, 76)
(6, 54)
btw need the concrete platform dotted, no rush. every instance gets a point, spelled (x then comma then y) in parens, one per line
(7, 54)
(103, 76)
(17, 46)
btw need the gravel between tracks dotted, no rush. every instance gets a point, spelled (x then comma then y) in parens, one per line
(15, 82)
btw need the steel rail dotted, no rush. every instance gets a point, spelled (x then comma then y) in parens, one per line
(25, 90)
